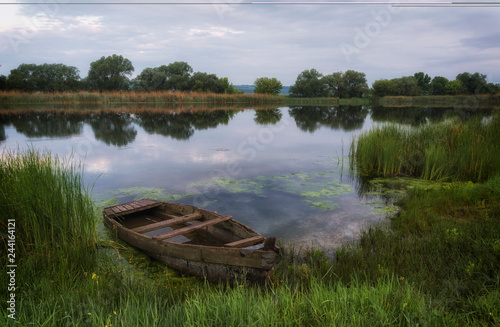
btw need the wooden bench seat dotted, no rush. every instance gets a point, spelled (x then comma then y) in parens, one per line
(245, 242)
(169, 222)
(191, 228)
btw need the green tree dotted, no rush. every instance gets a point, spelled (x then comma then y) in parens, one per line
(405, 86)
(267, 85)
(474, 83)
(383, 87)
(455, 87)
(44, 78)
(226, 87)
(110, 73)
(3, 82)
(178, 75)
(150, 79)
(203, 82)
(350, 84)
(423, 82)
(309, 84)
(438, 85)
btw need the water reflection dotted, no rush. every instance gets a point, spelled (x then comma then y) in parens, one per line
(268, 116)
(181, 126)
(311, 118)
(113, 129)
(47, 124)
(419, 115)
(292, 184)
(119, 128)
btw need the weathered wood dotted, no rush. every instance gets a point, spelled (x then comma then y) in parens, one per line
(166, 223)
(192, 228)
(245, 242)
(201, 259)
(131, 207)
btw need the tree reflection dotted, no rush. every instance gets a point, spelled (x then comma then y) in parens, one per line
(3, 137)
(113, 128)
(181, 126)
(417, 115)
(268, 116)
(311, 118)
(47, 124)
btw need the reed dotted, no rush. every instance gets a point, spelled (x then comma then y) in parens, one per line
(444, 101)
(445, 151)
(169, 98)
(53, 214)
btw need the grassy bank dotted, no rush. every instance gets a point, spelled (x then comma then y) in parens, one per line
(166, 98)
(435, 263)
(444, 101)
(53, 216)
(444, 151)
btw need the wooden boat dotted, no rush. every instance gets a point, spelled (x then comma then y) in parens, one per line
(194, 241)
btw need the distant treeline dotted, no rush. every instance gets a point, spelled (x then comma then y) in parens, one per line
(311, 83)
(112, 74)
(422, 84)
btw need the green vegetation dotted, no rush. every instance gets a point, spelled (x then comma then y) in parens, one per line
(422, 84)
(445, 151)
(168, 98)
(482, 101)
(434, 263)
(312, 84)
(53, 216)
(268, 85)
(42, 78)
(109, 73)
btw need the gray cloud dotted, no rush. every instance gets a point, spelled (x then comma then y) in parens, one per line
(247, 41)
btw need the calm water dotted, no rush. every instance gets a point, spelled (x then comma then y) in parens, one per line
(282, 171)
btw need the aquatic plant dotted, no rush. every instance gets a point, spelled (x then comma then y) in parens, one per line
(450, 150)
(53, 214)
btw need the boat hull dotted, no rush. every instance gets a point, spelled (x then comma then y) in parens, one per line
(215, 263)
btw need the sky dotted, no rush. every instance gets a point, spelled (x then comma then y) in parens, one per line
(244, 41)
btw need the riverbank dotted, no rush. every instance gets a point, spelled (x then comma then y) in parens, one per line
(477, 101)
(165, 98)
(434, 263)
(9, 99)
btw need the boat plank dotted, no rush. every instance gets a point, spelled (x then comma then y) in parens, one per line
(168, 222)
(131, 207)
(245, 242)
(192, 228)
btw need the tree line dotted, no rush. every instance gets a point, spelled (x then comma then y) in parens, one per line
(113, 73)
(422, 84)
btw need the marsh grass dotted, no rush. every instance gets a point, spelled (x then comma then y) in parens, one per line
(169, 98)
(445, 101)
(449, 150)
(53, 214)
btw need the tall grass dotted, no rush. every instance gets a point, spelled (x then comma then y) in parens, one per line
(444, 101)
(444, 151)
(169, 98)
(53, 214)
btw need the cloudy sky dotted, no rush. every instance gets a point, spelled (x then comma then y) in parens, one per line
(244, 41)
